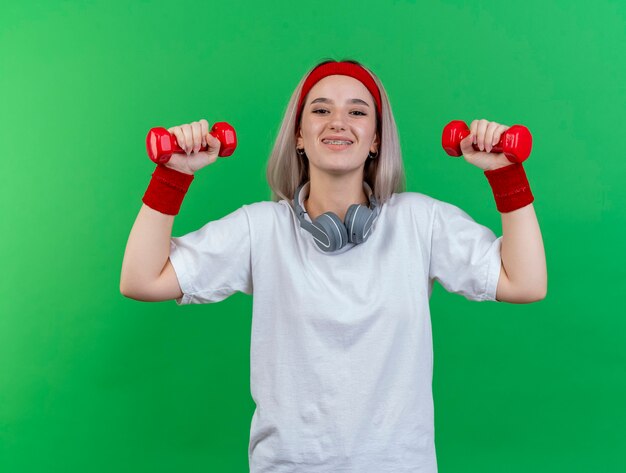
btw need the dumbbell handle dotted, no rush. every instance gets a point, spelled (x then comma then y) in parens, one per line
(516, 142)
(161, 144)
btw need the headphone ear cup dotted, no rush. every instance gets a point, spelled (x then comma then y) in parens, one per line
(334, 228)
(358, 222)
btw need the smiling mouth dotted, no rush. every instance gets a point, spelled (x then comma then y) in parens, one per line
(337, 142)
(337, 145)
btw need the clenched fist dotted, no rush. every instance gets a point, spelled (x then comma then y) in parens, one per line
(191, 137)
(485, 135)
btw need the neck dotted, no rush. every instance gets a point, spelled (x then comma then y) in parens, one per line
(334, 195)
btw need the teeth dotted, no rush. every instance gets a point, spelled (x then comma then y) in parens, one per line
(337, 142)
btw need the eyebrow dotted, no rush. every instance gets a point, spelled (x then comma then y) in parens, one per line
(325, 100)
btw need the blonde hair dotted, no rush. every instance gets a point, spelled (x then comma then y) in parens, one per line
(384, 174)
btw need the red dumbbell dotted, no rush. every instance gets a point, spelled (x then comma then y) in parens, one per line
(515, 143)
(161, 144)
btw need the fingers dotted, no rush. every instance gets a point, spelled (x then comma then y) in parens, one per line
(177, 131)
(196, 132)
(191, 137)
(478, 129)
(213, 142)
(489, 135)
(486, 134)
(205, 130)
(493, 134)
(466, 145)
(188, 136)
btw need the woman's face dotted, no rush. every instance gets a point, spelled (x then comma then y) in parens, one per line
(342, 108)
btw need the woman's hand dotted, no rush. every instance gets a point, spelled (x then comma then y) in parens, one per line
(485, 134)
(191, 137)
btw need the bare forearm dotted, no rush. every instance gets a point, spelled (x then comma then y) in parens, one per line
(523, 254)
(147, 249)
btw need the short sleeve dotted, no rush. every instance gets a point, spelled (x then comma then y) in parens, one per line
(213, 262)
(465, 256)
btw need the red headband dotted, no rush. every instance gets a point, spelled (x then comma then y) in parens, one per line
(343, 69)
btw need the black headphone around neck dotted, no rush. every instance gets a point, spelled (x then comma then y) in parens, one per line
(329, 232)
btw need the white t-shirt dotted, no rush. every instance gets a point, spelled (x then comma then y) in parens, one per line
(341, 348)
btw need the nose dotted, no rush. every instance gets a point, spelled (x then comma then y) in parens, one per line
(336, 122)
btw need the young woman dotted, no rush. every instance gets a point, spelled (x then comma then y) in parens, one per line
(341, 265)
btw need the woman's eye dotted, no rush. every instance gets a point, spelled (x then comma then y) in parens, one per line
(322, 111)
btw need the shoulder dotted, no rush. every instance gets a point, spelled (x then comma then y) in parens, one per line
(422, 202)
(424, 208)
(411, 198)
(266, 209)
(415, 202)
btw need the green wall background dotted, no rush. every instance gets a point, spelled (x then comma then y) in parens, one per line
(93, 381)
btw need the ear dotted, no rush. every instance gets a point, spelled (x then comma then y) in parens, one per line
(375, 143)
(299, 140)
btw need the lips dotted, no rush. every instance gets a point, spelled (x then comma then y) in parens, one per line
(337, 144)
(336, 138)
